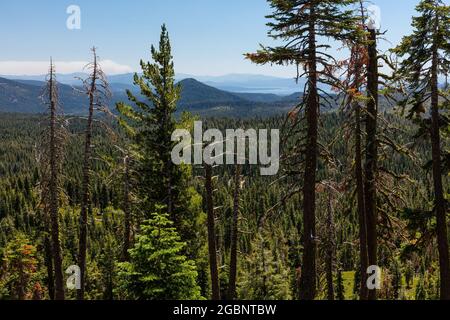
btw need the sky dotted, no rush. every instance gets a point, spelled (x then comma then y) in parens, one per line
(209, 37)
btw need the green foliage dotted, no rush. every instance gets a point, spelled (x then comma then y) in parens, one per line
(265, 275)
(431, 32)
(340, 289)
(18, 272)
(157, 268)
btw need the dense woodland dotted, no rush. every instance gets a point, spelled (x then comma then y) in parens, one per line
(363, 181)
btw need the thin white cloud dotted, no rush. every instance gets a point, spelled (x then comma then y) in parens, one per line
(33, 68)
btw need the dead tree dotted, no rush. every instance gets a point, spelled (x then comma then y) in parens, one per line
(215, 286)
(234, 234)
(96, 88)
(371, 161)
(50, 160)
(126, 209)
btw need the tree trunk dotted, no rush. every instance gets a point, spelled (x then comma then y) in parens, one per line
(308, 277)
(438, 187)
(54, 205)
(234, 236)
(215, 287)
(85, 187)
(363, 257)
(126, 210)
(372, 155)
(49, 263)
(329, 262)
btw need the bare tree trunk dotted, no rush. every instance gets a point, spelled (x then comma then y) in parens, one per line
(308, 277)
(211, 234)
(49, 263)
(54, 205)
(126, 210)
(363, 256)
(85, 204)
(442, 235)
(372, 155)
(330, 250)
(234, 236)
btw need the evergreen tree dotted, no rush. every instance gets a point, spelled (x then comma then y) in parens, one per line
(151, 124)
(426, 58)
(19, 265)
(264, 274)
(301, 24)
(158, 269)
(160, 178)
(371, 154)
(340, 290)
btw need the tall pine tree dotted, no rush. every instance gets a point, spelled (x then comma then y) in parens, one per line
(426, 57)
(301, 24)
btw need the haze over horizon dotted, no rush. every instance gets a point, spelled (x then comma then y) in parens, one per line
(237, 25)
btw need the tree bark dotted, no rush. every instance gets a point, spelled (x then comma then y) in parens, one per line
(363, 257)
(215, 287)
(53, 188)
(440, 207)
(49, 263)
(85, 186)
(126, 210)
(234, 236)
(371, 155)
(329, 262)
(308, 277)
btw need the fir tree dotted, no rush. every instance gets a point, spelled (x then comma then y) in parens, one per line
(158, 269)
(160, 183)
(340, 290)
(151, 123)
(301, 23)
(426, 58)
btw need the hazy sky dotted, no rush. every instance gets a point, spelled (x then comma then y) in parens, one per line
(208, 37)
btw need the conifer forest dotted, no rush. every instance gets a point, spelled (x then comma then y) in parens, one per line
(350, 201)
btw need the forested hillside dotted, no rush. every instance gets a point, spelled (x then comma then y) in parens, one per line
(358, 209)
(25, 96)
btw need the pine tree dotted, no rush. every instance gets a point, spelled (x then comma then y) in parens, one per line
(426, 58)
(301, 23)
(353, 85)
(161, 181)
(264, 273)
(340, 290)
(371, 154)
(160, 178)
(19, 266)
(158, 269)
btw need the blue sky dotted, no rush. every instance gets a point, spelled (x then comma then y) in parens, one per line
(208, 36)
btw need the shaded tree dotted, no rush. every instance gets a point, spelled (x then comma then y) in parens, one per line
(426, 52)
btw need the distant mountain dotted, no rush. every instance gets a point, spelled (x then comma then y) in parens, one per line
(243, 83)
(69, 79)
(24, 96)
(250, 83)
(197, 93)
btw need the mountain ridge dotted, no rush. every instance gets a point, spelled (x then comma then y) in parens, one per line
(23, 96)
